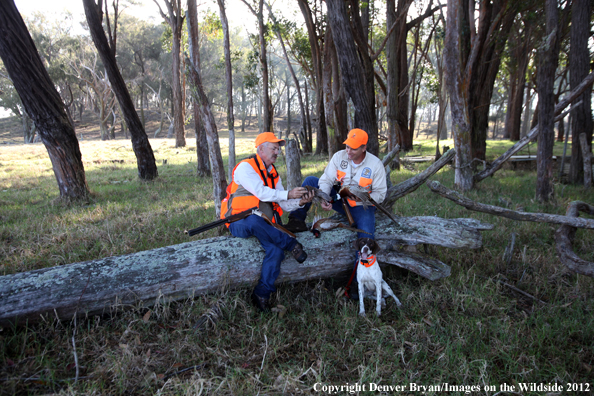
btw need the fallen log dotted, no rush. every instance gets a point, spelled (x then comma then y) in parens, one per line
(183, 271)
(564, 241)
(459, 199)
(450, 233)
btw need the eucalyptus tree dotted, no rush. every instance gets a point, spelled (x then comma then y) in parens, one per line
(579, 64)
(355, 77)
(175, 20)
(94, 82)
(229, 80)
(455, 83)
(139, 51)
(208, 121)
(42, 102)
(519, 51)
(306, 143)
(316, 31)
(548, 56)
(256, 7)
(145, 159)
(202, 151)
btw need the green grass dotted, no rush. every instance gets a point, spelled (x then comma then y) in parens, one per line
(467, 329)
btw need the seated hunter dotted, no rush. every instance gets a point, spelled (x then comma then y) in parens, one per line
(256, 182)
(351, 166)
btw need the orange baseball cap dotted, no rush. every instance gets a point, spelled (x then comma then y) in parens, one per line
(356, 138)
(268, 137)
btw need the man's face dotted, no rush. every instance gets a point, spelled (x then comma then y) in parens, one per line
(269, 152)
(356, 155)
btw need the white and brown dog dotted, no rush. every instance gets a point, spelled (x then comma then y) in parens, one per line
(369, 275)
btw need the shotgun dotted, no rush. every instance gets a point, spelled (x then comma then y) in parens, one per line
(229, 219)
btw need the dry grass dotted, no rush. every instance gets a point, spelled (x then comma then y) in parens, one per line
(467, 329)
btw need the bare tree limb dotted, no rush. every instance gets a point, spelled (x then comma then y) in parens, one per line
(457, 198)
(398, 191)
(564, 240)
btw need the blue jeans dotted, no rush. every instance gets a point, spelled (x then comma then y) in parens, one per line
(364, 218)
(273, 241)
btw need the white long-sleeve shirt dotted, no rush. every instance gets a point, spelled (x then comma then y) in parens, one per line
(371, 168)
(246, 176)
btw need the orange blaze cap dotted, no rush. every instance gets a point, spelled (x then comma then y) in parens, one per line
(268, 137)
(356, 138)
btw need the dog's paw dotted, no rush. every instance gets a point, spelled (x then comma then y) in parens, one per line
(362, 314)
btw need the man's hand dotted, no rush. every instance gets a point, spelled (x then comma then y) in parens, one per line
(297, 192)
(326, 205)
(307, 198)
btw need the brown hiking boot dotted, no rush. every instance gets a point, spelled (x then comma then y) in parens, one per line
(261, 303)
(298, 253)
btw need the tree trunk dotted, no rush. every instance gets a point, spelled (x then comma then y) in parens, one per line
(352, 72)
(521, 52)
(268, 115)
(547, 65)
(336, 105)
(316, 56)
(202, 152)
(307, 133)
(294, 178)
(587, 157)
(145, 158)
(186, 270)
(243, 108)
(175, 20)
(482, 65)
(455, 84)
(214, 149)
(42, 102)
(306, 145)
(360, 34)
(579, 65)
(229, 78)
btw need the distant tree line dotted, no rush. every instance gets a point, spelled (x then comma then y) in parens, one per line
(500, 66)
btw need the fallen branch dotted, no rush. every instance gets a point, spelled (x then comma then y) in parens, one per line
(522, 292)
(564, 241)
(390, 156)
(570, 97)
(398, 191)
(457, 198)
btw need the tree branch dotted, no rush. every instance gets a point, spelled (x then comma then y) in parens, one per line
(459, 199)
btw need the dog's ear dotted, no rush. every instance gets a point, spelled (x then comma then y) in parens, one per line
(375, 247)
(358, 244)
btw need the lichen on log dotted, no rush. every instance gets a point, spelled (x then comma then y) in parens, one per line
(204, 266)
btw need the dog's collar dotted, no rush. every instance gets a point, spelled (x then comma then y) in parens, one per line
(369, 262)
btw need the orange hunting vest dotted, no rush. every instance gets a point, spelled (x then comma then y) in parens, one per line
(239, 199)
(363, 182)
